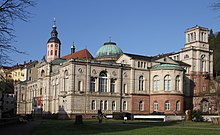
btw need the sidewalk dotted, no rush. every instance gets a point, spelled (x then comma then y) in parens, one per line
(20, 129)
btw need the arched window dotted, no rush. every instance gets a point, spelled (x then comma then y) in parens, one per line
(156, 82)
(92, 85)
(55, 52)
(56, 86)
(203, 63)
(167, 105)
(80, 86)
(188, 37)
(93, 105)
(155, 106)
(177, 105)
(66, 76)
(106, 105)
(186, 56)
(167, 83)
(141, 106)
(102, 82)
(205, 105)
(201, 36)
(125, 90)
(42, 74)
(125, 105)
(41, 91)
(51, 52)
(101, 105)
(112, 86)
(194, 36)
(177, 83)
(113, 106)
(141, 83)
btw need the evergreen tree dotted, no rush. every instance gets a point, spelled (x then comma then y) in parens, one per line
(211, 39)
(214, 42)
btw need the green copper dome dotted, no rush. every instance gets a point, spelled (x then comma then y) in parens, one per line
(167, 66)
(109, 51)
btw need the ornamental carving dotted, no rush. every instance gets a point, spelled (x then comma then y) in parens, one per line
(80, 70)
(114, 73)
(125, 74)
(94, 71)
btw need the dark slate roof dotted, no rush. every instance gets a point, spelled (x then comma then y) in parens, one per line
(139, 57)
(162, 56)
(54, 40)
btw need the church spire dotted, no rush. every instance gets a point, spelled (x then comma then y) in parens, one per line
(54, 32)
(54, 22)
(53, 44)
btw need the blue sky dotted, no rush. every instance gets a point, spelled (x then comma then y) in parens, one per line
(137, 26)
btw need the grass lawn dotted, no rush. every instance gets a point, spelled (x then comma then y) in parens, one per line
(114, 127)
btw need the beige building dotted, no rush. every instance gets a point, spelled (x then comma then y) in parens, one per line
(119, 82)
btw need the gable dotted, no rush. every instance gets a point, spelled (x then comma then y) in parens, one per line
(124, 59)
(166, 60)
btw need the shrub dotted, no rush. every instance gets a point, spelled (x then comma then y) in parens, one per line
(197, 116)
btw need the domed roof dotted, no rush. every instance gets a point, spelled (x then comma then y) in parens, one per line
(109, 51)
(54, 40)
(167, 66)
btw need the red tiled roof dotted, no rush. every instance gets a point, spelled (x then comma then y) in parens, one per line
(82, 54)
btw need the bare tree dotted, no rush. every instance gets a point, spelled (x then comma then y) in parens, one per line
(215, 5)
(11, 10)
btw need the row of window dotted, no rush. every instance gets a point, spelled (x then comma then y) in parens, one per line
(192, 36)
(102, 86)
(167, 83)
(51, 45)
(51, 53)
(141, 64)
(104, 105)
(102, 83)
(167, 106)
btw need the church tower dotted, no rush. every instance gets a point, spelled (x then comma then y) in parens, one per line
(198, 55)
(53, 44)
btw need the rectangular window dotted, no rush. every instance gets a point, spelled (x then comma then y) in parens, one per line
(124, 105)
(113, 106)
(112, 87)
(167, 106)
(125, 89)
(55, 52)
(92, 85)
(155, 106)
(203, 88)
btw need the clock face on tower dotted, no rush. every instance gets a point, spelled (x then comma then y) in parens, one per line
(56, 45)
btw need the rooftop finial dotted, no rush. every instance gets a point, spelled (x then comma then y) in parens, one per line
(54, 22)
(73, 46)
(110, 38)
